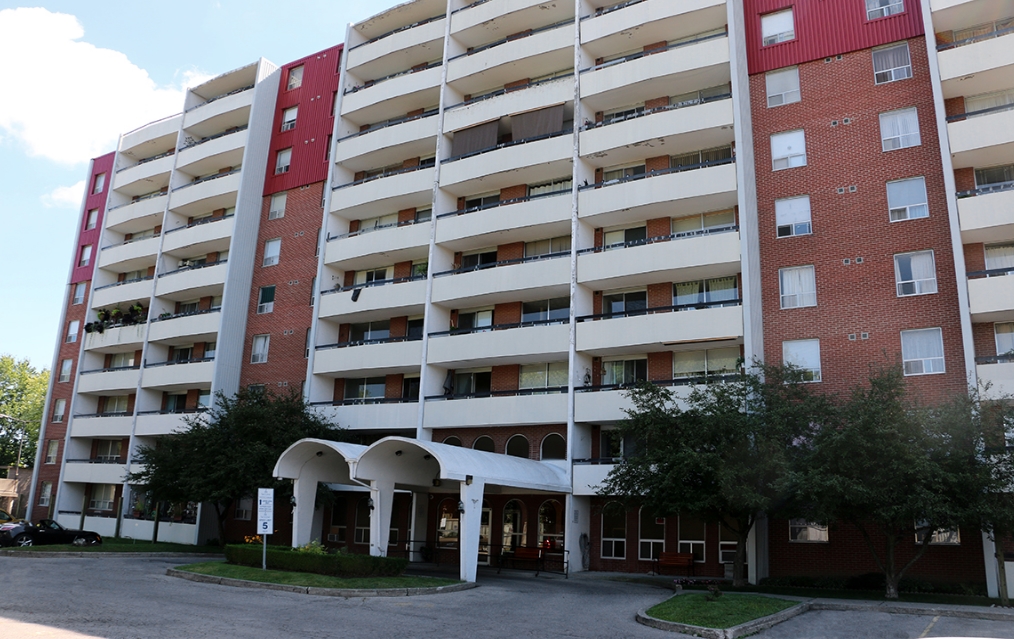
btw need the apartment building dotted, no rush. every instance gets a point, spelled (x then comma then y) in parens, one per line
(524, 207)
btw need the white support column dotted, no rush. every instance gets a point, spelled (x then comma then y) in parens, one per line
(468, 528)
(304, 489)
(989, 559)
(382, 494)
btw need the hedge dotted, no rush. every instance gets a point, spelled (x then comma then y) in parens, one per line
(338, 565)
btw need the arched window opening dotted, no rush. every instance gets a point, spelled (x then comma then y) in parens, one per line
(554, 446)
(517, 446)
(652, 536)
(551, 525)
(453, 441)
(515, 528)
(614, 531)
(484, 444)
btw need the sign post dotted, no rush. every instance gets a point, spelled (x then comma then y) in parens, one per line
(265, 519)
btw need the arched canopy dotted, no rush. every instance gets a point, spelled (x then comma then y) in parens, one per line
(331, 461)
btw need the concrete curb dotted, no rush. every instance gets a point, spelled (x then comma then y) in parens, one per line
(40, 554)
(734, 632)
(321, 592)
(988, 614)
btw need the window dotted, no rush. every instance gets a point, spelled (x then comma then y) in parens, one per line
(376, 276)
(611, 445)
(556, 186)
(994, 175)
(370, 331)
(513, 521)
(727, 544)
(472, 383)
(361, 391)
(714, 291)
(45, 493)
(804, 354)
(554, 310)
(798, 286)
(922, 351)
(244, 509)
(715, 361)
(621, 304)
(72, 330)
(272, 250)
(99, 184)
(266, 300)
(985, 103)
(614, 531)
(792, 216)
(116, 405)
(622, 113)
(420, 269)
(59, 410)
(259, 352)
(448, 524)
(691, 535)
(475, 260)
(999, 257)
(79, 293)
(410, 391)
(892, 63)
(899, 129)
(915, 273)
(122, 360)
(282, 161)
(807, 531)
(363, 521)
(108, 449)
(102, 497)
(483, 200)
(52, 448)
(651, 537)
(422, 215)
(788, 150)
(622, 372)
(92, 220)
(86, 255)
(906, 199)
(377, 223)
(552, 246)
(883, 8)
(703, 223)
(277, 207)
(777, 27)
(65, 370)
(518, 446)
(204, 399)
(484, 444)
(782, 86)
(622, 173)
(289, 118)
(175, 402)
(551, 524)
(306, 345)
(553, 375)
(295, 78)
(940, 536)
(339, 520)
(554, 446)
(623, 238)
(1003, 332)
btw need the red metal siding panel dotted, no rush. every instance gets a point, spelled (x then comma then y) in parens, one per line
(100, 165)
(314, 122)
(825, 28)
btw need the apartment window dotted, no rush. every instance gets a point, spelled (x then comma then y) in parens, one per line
(175, 402)
(892, 63)
(45, 493)
(259, 352)
(210, 348)
(122, 360)
(482, 201)
(92, 220)
(552, 246)
(102, 497)
(79, 293)
(475, 321)
(985, 103)
(552, 375)
(807, 531)
(620, 372)
(915, 273)
(777, 27)
(266, 300)
(1003, 332)
(472, 383)
(282, 161)
(804, 354)
(703, 223)
(52, 448)
(474, 260)
(272, 250)
(277, 207)
(313, 289)
(108, 450)
(715, 361)
(116, 405)
(255, 388)
(289, 118)
(379, 222)
(420, 269)
(65, 370)
(999, 257)
(244, 509)
(72, 330)
(899, 129)
(792, 216)
(651, 536)
(883, 8)
(556, 186)
(554, 310)
(782, 86)
(59, 410)
(306, 345)
(375, 277)
(939, 537)
(99, 184)
(295, 78)
(922, 351)
(204, 398)
(788, 150)
(713, 291)
(692, 537)
(798, 286)
(628, 303)
(369, 388)
(410, 389)
(370, 331)
(623, 238)
(906, 199)
(86, 255)
(622, 173)
(614, 531)
(422, 215)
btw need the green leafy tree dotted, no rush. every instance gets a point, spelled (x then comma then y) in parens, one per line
(22, 398)
(229, 452)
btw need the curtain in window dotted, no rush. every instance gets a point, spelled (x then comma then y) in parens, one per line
(1000, 256)
(994, 175)
(1004, 337)
(690, 364)
(799, 287)
(536, 123)
(533, 376)
(688, 293)
(924, 272)
(788, 145)
(891, 58)
(905, 193)
(924, 344)
(722, 360)
(794, 210)
(783, 86)
(691, 224)
(722, 289)
(900, 129)
(804, 353)
(989, 101)
(475, 138)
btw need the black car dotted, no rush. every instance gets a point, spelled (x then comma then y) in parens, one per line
(47, 532)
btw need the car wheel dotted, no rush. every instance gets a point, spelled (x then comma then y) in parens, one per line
(23, 540)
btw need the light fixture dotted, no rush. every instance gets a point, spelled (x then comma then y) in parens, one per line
(427, 457)
(587, 377)
(436, 483)
(397, 453)
(320, 453)
(468, 480)
(371, 503)
(461, 507)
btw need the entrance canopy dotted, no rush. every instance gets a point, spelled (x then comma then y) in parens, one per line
(330, 460)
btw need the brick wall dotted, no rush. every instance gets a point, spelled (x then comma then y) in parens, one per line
(535, 435)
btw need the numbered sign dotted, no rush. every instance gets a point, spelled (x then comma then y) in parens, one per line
(265, 511)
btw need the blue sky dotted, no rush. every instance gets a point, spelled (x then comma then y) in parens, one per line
(89, 70)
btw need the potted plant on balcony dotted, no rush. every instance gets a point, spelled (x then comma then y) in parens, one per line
(100, 327)
(103, 315)
(137, 310)
(89, 327)
(116, 315)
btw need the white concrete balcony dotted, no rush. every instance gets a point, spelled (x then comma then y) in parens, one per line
(987, 217)
(199, 116)
(178, 375)
(203, 237)
(112, 381)
(401, 50)
(482, 23)
(649, 22)
(218, 192)
(155, 423)
(680, 259)
(375, 248)
(659, 331)
(524, 221)
(113, 340)
(521, 345)
(954, 14)
(588, 478)
(136, 216)
(378, 416)
(192, 283)
(369, 360)
(609, 405)
(512, 410)
(999, 374)
(392, 21)
(116, 294)
(700, 64)
(665, 132)
(101, 426)
(375, 302)
(384, 195)
(393, 97)
(145, 177)
(385, 146)
(518, 163)
(528, 57)
(991, 299)
(87, 472)
(978, 67)
(538, 279)
(207, 156)
(130, 255)
(186, 329)
(485, 109)
(673, 194)
(985, 140)
(152, 138)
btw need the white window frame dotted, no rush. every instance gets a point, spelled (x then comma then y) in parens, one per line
(789, 216)
(780, 36)
(802, 531)
(883, 8)
(65, 370)
(265, 307)
(80, 290)
(45, 493)
(260, 355)
(86, 256)
(289, 116)
(902, 140)
(1001, 348)
(612, 541)
(908, 211)
(277, 207)
(295, 78)
(59, 410)
(814, 373)
(244, 509)
(272, 252)
(922, 286)
(688, 545)
(283, 160)
(785, 97)
(99, 184)
(102, 497)
(792, 160)
(52, 451)
(72, 331)
(653, 543)
(893, 74)
(803, 298)
(913, 370)
(92, 219)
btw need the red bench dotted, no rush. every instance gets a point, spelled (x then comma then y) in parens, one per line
(523, 554)
(683, 560)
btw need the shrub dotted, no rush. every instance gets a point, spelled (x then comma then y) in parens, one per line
(338, 565)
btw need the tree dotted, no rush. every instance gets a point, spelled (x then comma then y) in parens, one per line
(724, 457)
(22, 397)
(228, 452)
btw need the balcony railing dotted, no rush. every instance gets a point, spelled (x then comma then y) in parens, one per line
(373, 83)
(175, 411)
(400, 29)
(1006, 358)
(193, 267)
(219, 97)
(382, 227)
(361, 401)
(469, 6)
(138, 198)
(557, 75)
(169, 316)
(521, 392)
(499, 327)
(616, 7)
(972, 114)
(395, 280)
(150, 159)
(651, 174)
(204, 220)
(520, 260)
(194, 360)
(98, 460)
(114, 284)
(112, 413)
(661, 309)
(131, 241)
(385, 174)
(682, 104)
(661, 238)
(1000, 28)
(703, 37)
(993, 272)
(986, 189)
(520, 36)
(208, 178)
(493, 205)
(504, 145)
(679, 381)
(386, 123)
(111, 369)
(192, 143)
(366, 342)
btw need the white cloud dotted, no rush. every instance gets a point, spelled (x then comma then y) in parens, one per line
(69, 100)
(64, 197)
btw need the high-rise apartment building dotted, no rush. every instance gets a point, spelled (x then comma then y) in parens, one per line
(528, 206)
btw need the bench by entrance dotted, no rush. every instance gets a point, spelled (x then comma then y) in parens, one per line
(683, 560)
(527, 556)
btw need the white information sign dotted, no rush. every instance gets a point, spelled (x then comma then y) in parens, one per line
(265, 511)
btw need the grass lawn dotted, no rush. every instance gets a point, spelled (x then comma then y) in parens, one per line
(219, 569)
(118, 544)
(724, 612)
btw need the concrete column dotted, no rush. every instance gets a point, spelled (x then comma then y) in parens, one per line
(468, 533)
(757, 551)
(304, 489)
(989, 561)
(382, 494)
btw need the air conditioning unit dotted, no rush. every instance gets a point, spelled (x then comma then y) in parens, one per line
(288, 126)
(282, 169)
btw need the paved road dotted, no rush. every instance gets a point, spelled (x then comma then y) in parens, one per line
(132, 597)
